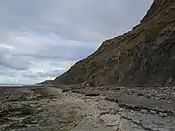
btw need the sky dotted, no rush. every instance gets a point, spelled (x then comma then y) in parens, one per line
(41, 39)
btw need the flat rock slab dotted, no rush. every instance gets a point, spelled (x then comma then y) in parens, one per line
(95, 125)
(87, 92)
(141, 102)
(149, 121)
(112, 96)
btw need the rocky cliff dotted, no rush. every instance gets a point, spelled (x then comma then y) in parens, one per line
(144, 55)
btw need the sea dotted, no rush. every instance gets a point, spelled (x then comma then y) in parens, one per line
(13, 85)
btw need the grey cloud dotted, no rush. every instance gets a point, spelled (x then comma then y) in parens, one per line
(7, 72)
(49, 73)
(61, 52)
(83, 21)
(51, 48)
(53, 73)
(12, 62)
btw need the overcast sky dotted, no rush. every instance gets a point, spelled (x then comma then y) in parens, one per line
(40, 39)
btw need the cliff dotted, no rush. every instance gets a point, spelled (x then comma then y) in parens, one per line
(143, 56)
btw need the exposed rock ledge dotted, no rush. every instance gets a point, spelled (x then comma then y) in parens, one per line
(48, 109)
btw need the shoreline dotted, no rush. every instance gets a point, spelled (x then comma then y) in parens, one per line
(5, 86)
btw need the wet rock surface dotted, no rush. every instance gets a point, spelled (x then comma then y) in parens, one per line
(120, 109)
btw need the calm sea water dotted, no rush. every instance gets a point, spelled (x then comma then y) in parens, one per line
(10, 85)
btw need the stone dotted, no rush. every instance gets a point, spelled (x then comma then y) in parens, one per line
(92, 93)
(29, 120)
(153, 112)
(163, 114)
(131, 111)
(143, 111)
(65, 90)
(136, 121)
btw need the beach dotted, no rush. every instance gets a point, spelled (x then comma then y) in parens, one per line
(54, 109)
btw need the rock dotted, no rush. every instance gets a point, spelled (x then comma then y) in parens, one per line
(112, 96)
(15, 126)
(92, 94)
(77, 91)
(153, 112)
(140, 94)
(136, 121)
(163, 114)
(143, 111)
(39, 109)
(54, 99)
(4, 120)
(121, 109)
(127, 125)
(72, 112)
(65, 90)
(131, 111)
(29, 120)
(138, 102)
(87, 84)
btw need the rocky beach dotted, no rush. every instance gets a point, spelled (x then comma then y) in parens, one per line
(127, 84)
(71, 108)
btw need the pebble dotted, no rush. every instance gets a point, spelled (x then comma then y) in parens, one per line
(153, 112)
(54, 99)
(39, 108)
(121, 109)
(163, 114)
(34, 122)
(143, 111)
(136, 121)
(113, 111)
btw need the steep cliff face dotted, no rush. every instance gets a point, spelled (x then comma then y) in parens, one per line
(144, 55)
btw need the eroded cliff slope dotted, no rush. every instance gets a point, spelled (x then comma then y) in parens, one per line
(144, 55)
